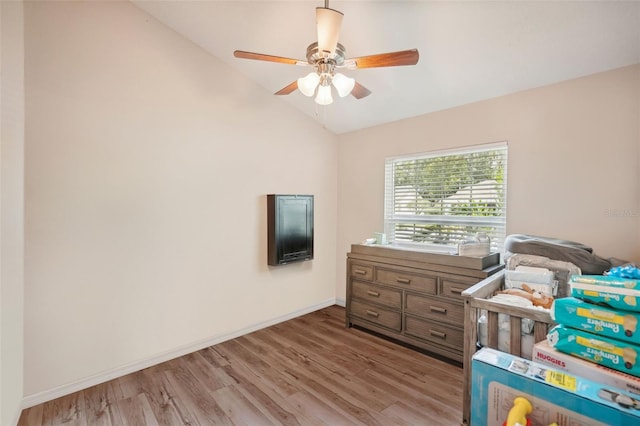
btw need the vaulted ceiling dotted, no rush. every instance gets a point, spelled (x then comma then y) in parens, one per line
(469, 50)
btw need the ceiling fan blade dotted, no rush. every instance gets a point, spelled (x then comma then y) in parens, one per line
(359, 91)
(393, 59)
(262, 57)
(288, 89)
(328, 23)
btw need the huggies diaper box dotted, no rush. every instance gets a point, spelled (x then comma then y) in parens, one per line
(556, 396)
(601, 320)
(618, 293)
(621, 356)
(545, 354)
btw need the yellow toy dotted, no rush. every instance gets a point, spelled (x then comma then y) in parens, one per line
(517, 414)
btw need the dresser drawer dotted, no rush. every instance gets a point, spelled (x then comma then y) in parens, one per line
(454, 288)
(434, 332)
(433, 308)
(376, 294)
(407, 280)
(381, 316)
(361, 272)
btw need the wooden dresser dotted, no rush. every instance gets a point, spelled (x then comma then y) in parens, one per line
(412, 296)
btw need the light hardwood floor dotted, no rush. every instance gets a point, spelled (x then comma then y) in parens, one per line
(307, 371)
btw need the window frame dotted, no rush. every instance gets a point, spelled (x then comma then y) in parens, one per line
(497, 223)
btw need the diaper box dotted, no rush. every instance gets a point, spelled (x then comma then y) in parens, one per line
(556, 396)
(545, 354)
(618, 293)
(621, 356)
(601, 320)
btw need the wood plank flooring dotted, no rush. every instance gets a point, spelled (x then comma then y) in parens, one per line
(307, 371)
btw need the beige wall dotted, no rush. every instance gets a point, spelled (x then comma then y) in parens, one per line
(574, 162)
(148, 162)
(11, 210)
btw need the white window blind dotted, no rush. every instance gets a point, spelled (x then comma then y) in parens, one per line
(444, 198)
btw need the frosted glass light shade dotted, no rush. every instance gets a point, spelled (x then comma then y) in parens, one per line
(324, 95)
(343, 84)
(328, 23)
(307, 84)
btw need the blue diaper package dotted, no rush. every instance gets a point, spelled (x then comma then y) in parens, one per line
(601, 320)
(621, 356)
(615, 292)
(626, 271)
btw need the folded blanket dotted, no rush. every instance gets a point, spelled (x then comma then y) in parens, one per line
(577, 253)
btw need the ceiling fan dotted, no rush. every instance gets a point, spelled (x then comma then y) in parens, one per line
(326, 55)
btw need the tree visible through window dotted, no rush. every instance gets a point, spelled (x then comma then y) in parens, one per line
(448, 197)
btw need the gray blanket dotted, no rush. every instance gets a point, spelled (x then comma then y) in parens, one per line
(577, 253)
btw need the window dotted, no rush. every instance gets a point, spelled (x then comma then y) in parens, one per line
(444, 198)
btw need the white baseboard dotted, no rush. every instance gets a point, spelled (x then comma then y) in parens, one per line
(59, 391)
(341, 302)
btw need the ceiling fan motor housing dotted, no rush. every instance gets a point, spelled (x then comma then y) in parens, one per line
(314, 55)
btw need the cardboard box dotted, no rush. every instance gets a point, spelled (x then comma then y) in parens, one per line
(557, 396)
(545, 354)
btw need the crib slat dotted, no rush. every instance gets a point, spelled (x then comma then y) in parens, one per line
(540, 331)
(492, 329)
(515, 336)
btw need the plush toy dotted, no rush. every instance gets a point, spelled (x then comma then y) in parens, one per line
(536, 297)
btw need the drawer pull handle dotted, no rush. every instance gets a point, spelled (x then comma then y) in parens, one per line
(438, 309)
(457, 290)
(373, 314)
(360, 271)
(403, 280)
(438, 334)
(373, 293)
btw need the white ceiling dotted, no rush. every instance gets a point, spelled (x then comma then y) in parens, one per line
(469, 50)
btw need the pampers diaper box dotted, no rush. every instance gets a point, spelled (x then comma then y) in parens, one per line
(556, 396)
(618, 293)
(621, 356)
(601, 320)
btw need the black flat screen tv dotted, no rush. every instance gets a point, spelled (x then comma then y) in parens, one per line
(290, 228)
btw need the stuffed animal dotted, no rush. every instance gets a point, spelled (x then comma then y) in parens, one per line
(536, 297)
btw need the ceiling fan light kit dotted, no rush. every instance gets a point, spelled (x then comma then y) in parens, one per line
(326, 55)
(322, 79)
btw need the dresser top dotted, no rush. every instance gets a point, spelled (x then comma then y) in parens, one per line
(391, 252)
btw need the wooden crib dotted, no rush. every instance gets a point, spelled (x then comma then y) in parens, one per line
(475, 302)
